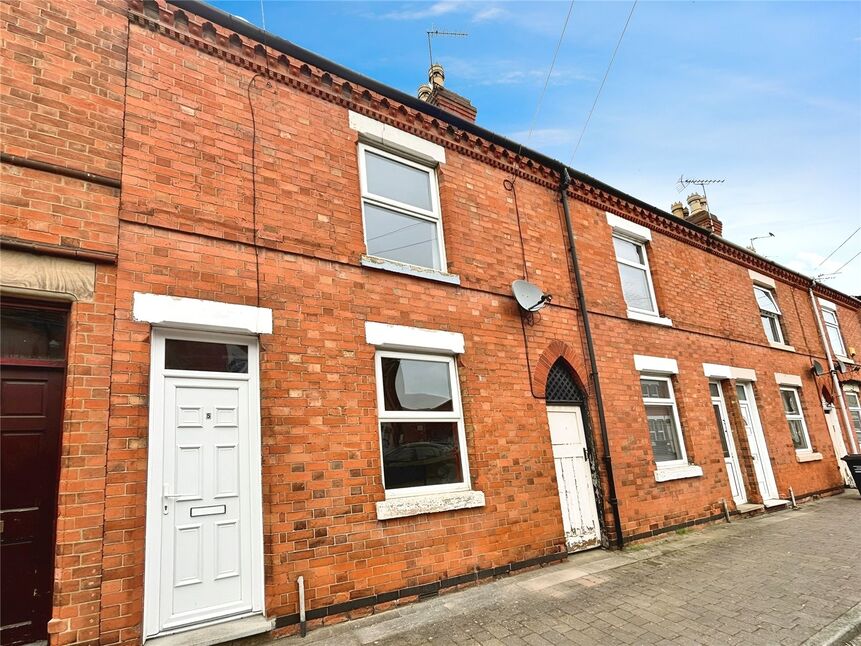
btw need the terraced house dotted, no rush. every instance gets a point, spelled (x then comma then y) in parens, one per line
(259, 337)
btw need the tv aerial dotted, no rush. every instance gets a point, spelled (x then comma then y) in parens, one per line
(437, 32)
(530, 298)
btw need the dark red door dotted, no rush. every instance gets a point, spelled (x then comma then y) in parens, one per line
(31, 406)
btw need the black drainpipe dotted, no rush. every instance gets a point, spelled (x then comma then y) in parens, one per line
(593, 364)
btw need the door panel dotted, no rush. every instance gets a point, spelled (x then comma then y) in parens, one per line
(756, 442)
(574, 479)
(206, 530)
(31, 401)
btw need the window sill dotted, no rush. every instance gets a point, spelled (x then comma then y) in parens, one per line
(844, 359)
(806, 456)
(649, 318)
(410, 270)
(428, 504)
(678, 473)
(781, 346)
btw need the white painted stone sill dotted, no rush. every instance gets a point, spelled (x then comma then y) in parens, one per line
(217, 633)
(781, 346)
(428, 504)
(807, 457)
(678, 473)
(650, 318)
(410, 270)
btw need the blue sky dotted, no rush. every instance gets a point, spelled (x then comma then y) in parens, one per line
(766, 95)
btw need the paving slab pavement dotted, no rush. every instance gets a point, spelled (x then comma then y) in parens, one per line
(787, 578)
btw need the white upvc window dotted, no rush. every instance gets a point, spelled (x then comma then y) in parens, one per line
(422, 436)
(794, 416)
(400, 208)
(853, 403)
(662, 415)
(769, 314)
(635, 275)
(832, 329)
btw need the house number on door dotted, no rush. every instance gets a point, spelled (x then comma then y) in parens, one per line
(209, 416)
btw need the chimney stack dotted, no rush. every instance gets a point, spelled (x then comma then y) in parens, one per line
(699, 213)
(435, 93)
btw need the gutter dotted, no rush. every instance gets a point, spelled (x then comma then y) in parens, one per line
(593, 364)
(284, 46)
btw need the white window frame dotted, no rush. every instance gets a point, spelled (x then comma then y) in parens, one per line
(433, 215)
(830, 308)
(848, 392)
(796, 393)
(772, 295)
(671, 402)
(642, 267)
(454, 415)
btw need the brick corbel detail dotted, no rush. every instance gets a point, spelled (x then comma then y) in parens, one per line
(551, 355)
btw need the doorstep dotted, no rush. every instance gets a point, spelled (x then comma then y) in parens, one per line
(220, 633)
(749, 508)
(775, 502)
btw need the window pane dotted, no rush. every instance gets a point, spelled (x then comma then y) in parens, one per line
(416, 454)
(765, 300)
(856, 420)
(400, 237)
(211, 357)
(663, 433)
(32, 334)
(396, 181)
(830, 317)
(714, 390)
(416, 385)
(790, 402)
(627, 250)
(722, 430)
(797, 432)
(655, 388)
(852, 400)
(635, 288)
(771, 326)
(836, 339)
(740, 392)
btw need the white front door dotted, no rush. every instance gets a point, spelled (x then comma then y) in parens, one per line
(574, 478)
(756, 441)
(730, 455)
(204, 525)
(833, 423)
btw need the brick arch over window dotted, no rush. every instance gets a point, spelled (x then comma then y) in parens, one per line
(554, 352)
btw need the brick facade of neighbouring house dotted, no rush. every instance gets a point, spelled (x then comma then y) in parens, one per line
(240, 184)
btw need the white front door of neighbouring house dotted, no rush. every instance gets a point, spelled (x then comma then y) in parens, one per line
(756, 441)
(730, 455)
(204, 532)
(574, 478)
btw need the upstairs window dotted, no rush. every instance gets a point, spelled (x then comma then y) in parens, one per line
(635, 275)
(665, 430)
(769, 314)
(797, 426)
(400, 204)
(832, 329)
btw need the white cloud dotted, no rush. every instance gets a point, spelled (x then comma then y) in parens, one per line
(426, 11)
(487, 14)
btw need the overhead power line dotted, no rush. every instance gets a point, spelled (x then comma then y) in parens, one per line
(839, 247)
(603, 81)
(846, 263)
(550, 71)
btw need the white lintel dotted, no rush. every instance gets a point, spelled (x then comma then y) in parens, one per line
(718, 371)
(787, 380)
(193, 313)
(388, 136)
(626, 227)
(761, 279)
(659, 365)
(826, 304)
(403, 337)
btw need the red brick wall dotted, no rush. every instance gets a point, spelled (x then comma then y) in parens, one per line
(187, 228)
(62, 84)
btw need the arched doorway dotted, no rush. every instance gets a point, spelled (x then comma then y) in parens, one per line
(566, 402)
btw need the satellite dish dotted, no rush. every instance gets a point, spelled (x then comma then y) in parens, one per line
(529, 297)
(818, 370)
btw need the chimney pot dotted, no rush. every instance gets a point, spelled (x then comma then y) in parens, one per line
(699, 213)
(679, 210)
(424, 92)
(436, 75)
